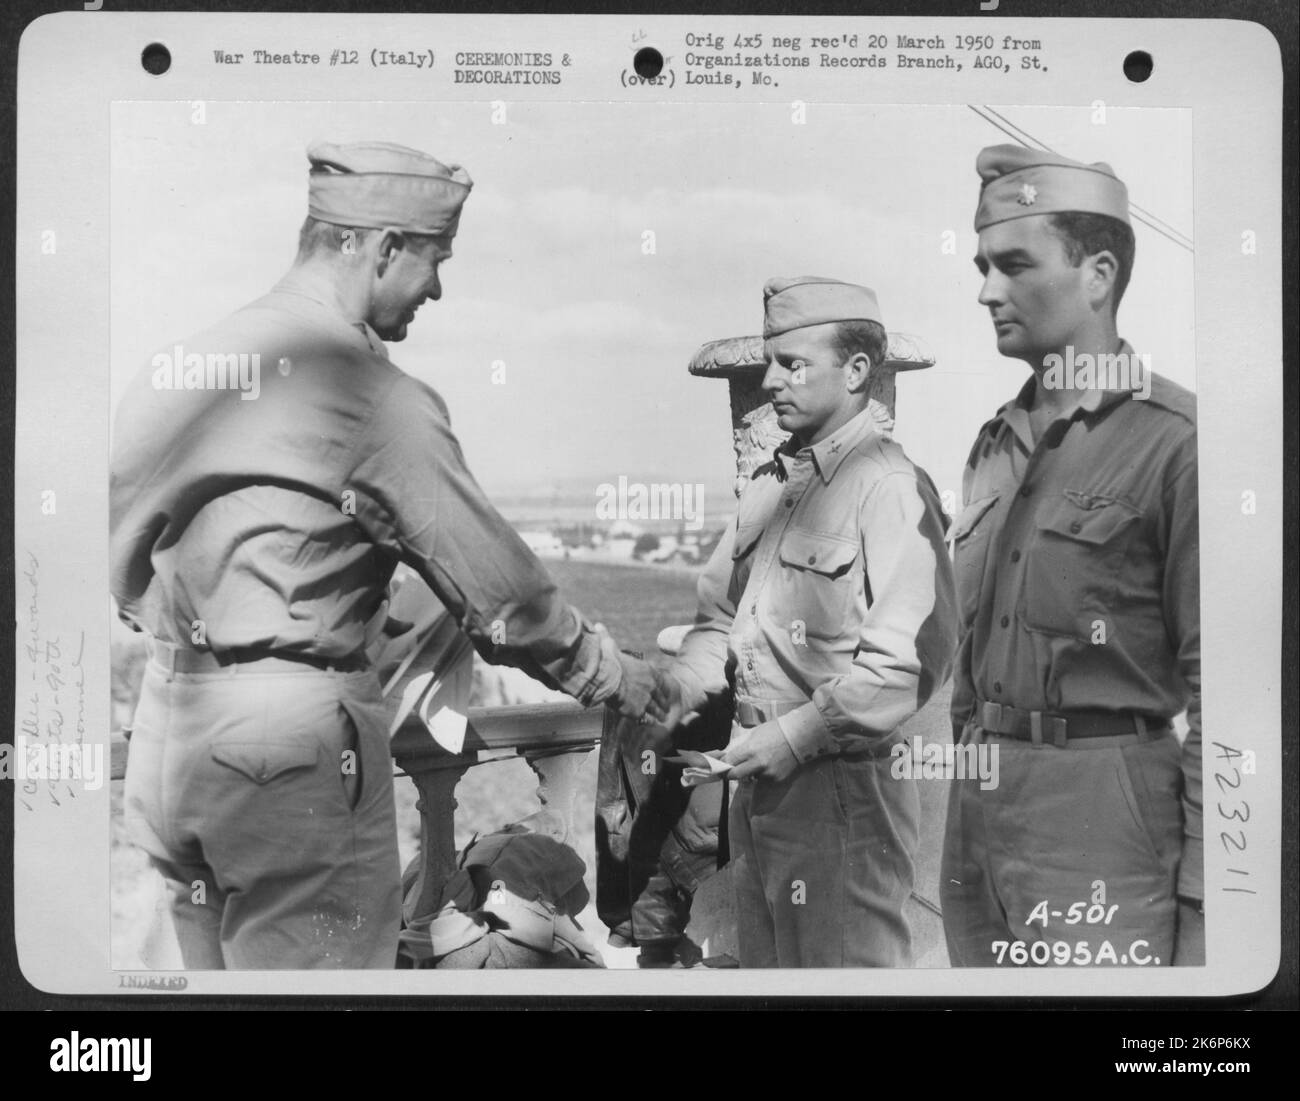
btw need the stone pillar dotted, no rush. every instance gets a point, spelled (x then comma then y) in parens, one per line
(436, 860)
(559, 780)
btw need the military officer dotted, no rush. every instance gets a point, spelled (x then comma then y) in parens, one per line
(1076, 556)
(828, 606)
(254, 530)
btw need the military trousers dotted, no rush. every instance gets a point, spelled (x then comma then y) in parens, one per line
(822, 864)
(1071, 860)
(265, 799)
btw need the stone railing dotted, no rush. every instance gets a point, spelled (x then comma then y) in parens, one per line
(554, 738)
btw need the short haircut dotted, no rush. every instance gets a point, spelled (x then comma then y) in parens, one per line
(318, 238)
(1086, 235)
(852, 337)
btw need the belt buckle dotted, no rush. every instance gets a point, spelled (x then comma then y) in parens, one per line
(1057, 729)
(1060, 728)
(991, 717)
(164, 654)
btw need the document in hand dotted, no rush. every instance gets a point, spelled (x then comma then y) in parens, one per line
(700, 767)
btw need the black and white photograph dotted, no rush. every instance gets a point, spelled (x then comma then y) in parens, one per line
(651, 494)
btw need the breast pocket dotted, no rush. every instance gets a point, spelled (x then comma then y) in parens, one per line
(1073, 567)
(970, 549)
(821, 582)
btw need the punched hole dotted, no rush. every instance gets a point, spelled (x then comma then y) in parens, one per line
(1138, 66)
(156, 59)
(648, 63)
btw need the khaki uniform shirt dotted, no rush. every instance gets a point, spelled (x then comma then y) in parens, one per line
(833, 590)
(1077, 563)
(275, 523)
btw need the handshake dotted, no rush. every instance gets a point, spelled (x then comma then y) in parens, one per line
(646, 694)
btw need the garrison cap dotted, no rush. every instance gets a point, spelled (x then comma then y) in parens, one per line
(810, 300)
(375, 184)
(1018, 183)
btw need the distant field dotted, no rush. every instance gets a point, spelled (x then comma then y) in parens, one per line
(634, 603)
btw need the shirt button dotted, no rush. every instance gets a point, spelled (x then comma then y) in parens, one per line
(997, 686)
(1024, 491)
(753, 609)
(1006, 620)
(812, 560)
(789, 502)
(1015, 556)
(1076, 527)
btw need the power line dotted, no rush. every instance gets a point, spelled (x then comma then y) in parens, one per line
(1027, 135)
(1042, 145)
(1144, 216)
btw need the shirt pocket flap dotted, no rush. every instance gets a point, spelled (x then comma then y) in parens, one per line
(262, 762)
(970, 516)
(825, 554)
(1088, 518)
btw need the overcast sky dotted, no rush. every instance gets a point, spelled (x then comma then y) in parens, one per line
(549, 274)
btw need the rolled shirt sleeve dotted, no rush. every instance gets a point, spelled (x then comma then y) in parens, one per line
(414, 493)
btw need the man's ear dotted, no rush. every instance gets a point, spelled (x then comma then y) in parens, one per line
(391, 242)
(857, 373)
(1102, 270)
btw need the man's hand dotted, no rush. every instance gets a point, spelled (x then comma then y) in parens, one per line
(1189, 942)
(666, 706)
(763, 752)
(636, 686)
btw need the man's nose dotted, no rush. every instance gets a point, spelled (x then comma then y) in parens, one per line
(435, 288)
(991, 292)
(773, 377)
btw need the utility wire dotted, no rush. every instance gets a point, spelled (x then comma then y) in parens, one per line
(1034, 141)
(1159, 225)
